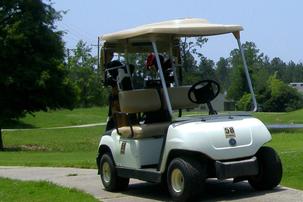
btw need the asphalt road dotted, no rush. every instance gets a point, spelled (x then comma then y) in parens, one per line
(87, 180)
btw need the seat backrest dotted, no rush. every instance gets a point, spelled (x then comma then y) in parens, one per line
(140, 100)
(179, 98)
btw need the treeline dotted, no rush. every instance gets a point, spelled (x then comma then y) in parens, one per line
(270, 77)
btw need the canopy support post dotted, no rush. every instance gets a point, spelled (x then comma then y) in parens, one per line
(165, 92)
(127, 66)
(253, 96)
(172, 61)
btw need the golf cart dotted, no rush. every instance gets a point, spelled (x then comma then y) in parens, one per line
(144, 138)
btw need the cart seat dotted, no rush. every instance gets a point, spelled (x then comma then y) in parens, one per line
(179, 98)
(145, 130)
(138, 101)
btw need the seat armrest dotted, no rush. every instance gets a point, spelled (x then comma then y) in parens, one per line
(128, 121)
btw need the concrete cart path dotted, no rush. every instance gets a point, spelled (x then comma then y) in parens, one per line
(87, 180)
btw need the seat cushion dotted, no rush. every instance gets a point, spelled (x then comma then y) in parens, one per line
(179, 98)
(139, 100)
(145, 130)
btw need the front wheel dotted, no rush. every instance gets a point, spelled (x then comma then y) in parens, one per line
(111, 181)
(270, 170)
(185, 178)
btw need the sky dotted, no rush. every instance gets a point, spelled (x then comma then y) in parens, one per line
(274, 25)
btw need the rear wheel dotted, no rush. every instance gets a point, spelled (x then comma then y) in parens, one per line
(185, 178)
(270, 170)
(111, 181)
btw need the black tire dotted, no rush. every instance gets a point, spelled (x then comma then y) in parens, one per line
(270, 170)
(111, 181)
(193, 175)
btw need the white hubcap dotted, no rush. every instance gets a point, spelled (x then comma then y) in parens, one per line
(177, 180)
(106, 172)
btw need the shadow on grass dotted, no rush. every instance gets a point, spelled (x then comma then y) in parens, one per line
(16, 124)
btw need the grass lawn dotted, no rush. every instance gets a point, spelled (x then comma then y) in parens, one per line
(281, 117)
(77, 147)
(289, 145)
(57, 118)
(14, 190)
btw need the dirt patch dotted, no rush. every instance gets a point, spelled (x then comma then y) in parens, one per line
(27, 147)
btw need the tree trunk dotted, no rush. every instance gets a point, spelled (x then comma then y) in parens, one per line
(1, 142)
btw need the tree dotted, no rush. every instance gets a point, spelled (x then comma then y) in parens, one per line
(223, 73)
(86, 77)
(32, 74)
(254, 60)
(280, 97)
(206, 69)
(189, 50)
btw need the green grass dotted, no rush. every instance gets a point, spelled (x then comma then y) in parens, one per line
(14, 190)
(49, 159)
(57, 118)
(75, 147)
(281, 117)
(289, 145)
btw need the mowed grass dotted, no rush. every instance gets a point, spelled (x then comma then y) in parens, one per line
(75, 147)
(14, 190)
(58, 118)
(294, 117)
(289, 145)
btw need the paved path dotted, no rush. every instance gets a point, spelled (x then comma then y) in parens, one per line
(88, 181)
(284, 126)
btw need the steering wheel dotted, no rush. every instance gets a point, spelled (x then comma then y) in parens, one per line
(203, 91)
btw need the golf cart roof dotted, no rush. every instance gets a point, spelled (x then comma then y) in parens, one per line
(175, 28)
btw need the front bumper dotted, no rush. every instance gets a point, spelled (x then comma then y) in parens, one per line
(233, 169)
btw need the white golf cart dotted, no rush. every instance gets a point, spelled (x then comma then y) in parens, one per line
(145, 140)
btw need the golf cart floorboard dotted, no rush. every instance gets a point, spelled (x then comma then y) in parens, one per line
(148, 174)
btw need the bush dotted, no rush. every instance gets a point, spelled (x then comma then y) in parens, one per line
(279, 97)
(245, 103)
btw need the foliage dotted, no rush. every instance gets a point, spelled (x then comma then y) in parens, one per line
(273, 95)
(86, 77)
(189, 50)
(32, 74)
(239, 84)
(280, 97)
(15, 190)
(223, 70)
(244, 104)
(206, 68)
